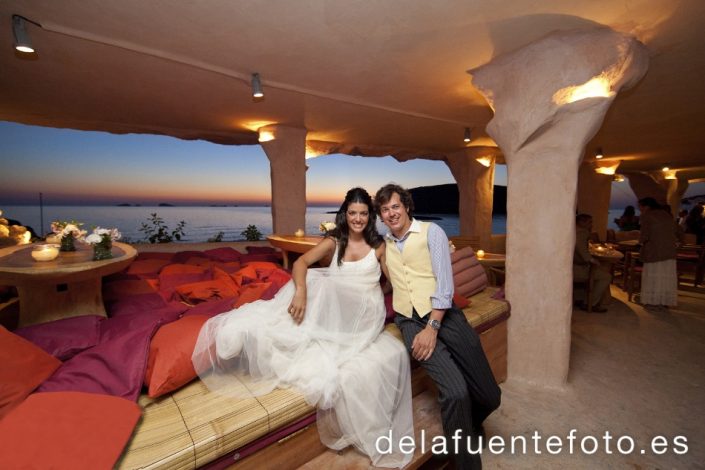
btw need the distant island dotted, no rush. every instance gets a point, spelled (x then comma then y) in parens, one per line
(165, 204)
(443, 199)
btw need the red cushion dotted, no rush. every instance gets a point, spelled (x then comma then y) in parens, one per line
(147, 266)
(252, 292)
(169, 366)
(23, 366)
(67, 430)
(225, 254)
(460, 301)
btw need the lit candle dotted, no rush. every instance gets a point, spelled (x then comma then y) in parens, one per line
(480, 254)
(299, 233)
(45, 252)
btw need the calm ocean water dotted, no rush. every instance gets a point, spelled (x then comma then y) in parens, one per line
(202, 223)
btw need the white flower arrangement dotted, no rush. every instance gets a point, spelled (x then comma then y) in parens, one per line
(102, 234)
(62, 228)
(326, 227)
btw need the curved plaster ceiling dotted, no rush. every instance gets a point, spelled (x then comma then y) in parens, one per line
(372, 78)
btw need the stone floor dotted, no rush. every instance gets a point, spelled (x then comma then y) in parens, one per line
(633, 373)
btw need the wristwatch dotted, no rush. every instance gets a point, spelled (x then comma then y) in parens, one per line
(435, 324)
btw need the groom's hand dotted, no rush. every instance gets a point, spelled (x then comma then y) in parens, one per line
(424, 343)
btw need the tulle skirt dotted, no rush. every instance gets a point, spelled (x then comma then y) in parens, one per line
(357, 376)
(659, 283)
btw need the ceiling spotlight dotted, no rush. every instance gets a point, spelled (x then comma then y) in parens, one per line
(598, 153)
(256, 86)
(467, 137)
(665, 168)
(19, 30)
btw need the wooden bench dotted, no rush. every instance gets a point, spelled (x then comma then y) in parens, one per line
(195, 428)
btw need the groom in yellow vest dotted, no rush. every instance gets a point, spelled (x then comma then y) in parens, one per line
(436, 333)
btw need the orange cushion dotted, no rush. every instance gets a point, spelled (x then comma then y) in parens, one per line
(67, 430)
(169, 366)
(203, 291)
(23, 367)
(244, 275)
(147, 266)
(262, 265)
(252, 292)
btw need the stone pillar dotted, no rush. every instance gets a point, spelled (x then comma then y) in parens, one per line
(476, 188)
(675, 193)
(545, 112)
(287, 162)
(645, 185)
(594, 191)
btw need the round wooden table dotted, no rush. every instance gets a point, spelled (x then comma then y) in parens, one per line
(293, 244)
(68, 286)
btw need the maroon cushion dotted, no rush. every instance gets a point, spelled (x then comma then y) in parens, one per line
(254, 250)
(223, 255)
(114, 367)
(183, 256)
(469, 277)
(271, 257)
(64, 338)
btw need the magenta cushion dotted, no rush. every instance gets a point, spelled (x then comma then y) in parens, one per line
(64, 338)
(469, 277)
(114, 367)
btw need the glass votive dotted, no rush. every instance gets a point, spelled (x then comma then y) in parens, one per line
(45, 252)
(299, 233)
(480, 253)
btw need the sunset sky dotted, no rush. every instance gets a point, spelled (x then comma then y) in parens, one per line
(78, 167)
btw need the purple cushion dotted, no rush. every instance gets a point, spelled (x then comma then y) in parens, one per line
(114, 367)
(121, 324)
(469, 277)
(223, 255)
(64, 338)
(137, 303)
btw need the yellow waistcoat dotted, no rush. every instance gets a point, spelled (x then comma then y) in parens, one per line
(411, 273)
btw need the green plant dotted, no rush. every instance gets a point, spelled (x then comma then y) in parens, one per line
(251, 233)
(156, 231)
(217, 238)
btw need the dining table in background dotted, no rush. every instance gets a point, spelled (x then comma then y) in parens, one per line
(67, 286)
(292, 246)
(494, 266)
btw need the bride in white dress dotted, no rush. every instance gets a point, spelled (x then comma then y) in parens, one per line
(322, 335)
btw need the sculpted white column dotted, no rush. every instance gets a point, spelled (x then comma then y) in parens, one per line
(645, 185)
(594, 191)
(287, 161)
(549, 99)
(476, 189)
(675, 193)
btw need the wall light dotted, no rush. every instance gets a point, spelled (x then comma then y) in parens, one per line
(669, 174)
(618, 178)
(607, 167)
(597, 87)
(257, 86)
(598, 153)
(665, 169)
(467, 137)
(19, 31)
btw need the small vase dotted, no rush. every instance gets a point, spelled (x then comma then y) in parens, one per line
(103, 250)
(68, 243)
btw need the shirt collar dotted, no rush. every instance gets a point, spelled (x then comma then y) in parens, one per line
(414, 227)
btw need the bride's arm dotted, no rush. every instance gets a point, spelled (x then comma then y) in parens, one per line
(297, 308)
(381, 252)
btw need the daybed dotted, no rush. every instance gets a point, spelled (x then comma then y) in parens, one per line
(162, 300)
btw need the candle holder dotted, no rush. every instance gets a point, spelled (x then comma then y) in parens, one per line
(480, 254)
(47, 252)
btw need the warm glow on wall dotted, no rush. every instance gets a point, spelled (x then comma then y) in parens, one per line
(618, 178)
(669, 174)
(265, 135)
(311, 153)
(598, 87)
(607, 167)
(484, 161)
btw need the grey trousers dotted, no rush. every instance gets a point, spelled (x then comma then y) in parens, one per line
(468, 392)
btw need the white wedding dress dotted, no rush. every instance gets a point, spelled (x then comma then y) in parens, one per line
(339, 358)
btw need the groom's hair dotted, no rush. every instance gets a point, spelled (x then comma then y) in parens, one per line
(385, 193)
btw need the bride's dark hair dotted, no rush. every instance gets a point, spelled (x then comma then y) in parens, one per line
(342, 231)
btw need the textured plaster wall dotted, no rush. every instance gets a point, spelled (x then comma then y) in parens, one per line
(594, 191)
(476, 188)
(287, 161)
(543, 140)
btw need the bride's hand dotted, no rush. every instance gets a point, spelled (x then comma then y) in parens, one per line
(297, 308)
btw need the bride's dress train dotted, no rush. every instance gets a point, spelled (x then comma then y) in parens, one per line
(338, 357)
